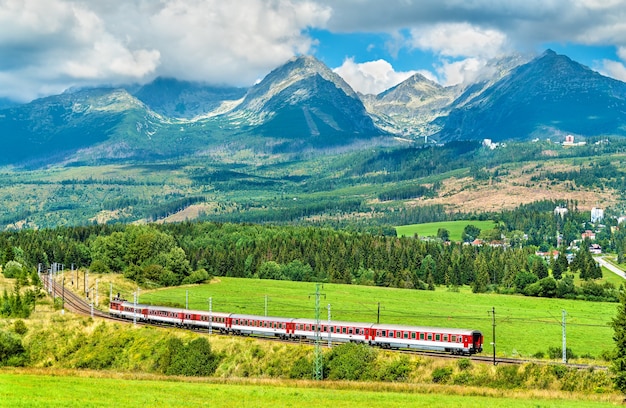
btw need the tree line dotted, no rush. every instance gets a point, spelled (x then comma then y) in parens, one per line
(190, 252)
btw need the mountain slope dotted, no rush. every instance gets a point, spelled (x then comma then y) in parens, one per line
(304, 103)
(550, 95)
(59, 125)
(410, 106)
(183, 99)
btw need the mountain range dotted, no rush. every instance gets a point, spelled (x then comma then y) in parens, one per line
(304, 105)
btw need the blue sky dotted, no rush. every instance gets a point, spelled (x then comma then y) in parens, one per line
(47, 46)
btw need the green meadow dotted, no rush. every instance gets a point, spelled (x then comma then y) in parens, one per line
(82, 390)
(455, 228)
(524, 325)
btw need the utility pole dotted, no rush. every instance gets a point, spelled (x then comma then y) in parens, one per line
(378, 315)
(85, 282)
(329, 333)
(564, 339)
(96, 293)
(63, 297)
(318, 374)
(493, 315)
(210, 315)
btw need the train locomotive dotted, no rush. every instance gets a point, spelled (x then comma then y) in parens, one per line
(389, 336)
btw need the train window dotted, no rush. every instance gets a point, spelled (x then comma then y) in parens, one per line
(413, 336)
(343, 330)
(445, 337)
(350, 330)
(384, 333)
(406, 335)
(430, 336)
(437, 337)
(332, 329)
(398, 334)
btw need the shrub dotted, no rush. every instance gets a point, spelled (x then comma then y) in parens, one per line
(192, 359)
(464, 364)
(556, 353)
(302, 368)
(98, 266)
(351, 361)
(559, 370)
(508, 376)
(201, 275)
(12, 269)
(396, 370)
(12, 352)
(19, 327)
(442, 375)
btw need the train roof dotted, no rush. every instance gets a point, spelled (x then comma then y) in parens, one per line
(173, 309)
(258, 317)
(332, 322)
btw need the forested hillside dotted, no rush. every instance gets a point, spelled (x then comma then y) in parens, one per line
(173, 254)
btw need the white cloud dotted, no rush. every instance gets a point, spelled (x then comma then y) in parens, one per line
(613, 69)
(457, 72)
(226, 42)
(55, 44)
(459, 40)
(371, 77)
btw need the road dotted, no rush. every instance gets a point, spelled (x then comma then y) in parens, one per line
(610, 266)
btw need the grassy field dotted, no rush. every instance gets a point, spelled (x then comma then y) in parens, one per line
(455, 228)
(524, 325)
(92, 389)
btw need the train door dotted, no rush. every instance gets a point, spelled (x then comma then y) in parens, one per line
(477, 340)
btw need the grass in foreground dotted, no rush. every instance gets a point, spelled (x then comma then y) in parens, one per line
(42, 388)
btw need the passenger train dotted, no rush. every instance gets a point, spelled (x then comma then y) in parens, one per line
(390, 336)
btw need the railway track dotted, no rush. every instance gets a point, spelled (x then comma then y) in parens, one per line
(79, 305)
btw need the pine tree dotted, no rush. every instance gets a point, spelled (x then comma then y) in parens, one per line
(557, 272)
(618, 366)
(540, 269)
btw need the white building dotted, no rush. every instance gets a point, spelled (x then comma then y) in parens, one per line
(597, 214)
(562, 211)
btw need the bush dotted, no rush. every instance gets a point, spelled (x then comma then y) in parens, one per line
(19, 327)
(464, 364)
(199, 276)
(12, 269)
(302, 368)
(396, 370)
(98, 266)
(351, 361)
(508, 376)
(442, 375)
(556, 353)
(192, 359)
(12, 353)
